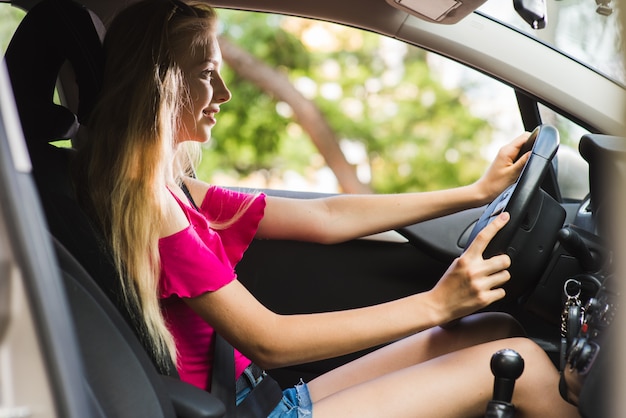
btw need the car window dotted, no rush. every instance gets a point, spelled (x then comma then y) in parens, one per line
(10, 18)
(362, 112)
(572, 184)
(405, 119)
(585, 30)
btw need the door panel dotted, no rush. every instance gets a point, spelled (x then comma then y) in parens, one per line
(298, 277)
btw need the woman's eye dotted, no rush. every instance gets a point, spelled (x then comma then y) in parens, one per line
(208, 74)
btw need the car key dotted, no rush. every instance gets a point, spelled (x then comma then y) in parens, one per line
(571, 317)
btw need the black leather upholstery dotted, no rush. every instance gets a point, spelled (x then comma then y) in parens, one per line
(121, 378)
(53, 32)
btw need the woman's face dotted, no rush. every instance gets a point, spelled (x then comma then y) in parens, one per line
(207, 91)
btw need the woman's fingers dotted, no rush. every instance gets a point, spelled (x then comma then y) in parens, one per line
(513, 148)
(495, 273)
(472, 282)
(521, 140)
(481, 241)
(499, 277)
(504, 169)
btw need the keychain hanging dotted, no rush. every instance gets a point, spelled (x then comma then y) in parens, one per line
(572, 316)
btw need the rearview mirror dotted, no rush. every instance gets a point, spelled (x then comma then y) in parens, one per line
(533, 12)
(438, 11)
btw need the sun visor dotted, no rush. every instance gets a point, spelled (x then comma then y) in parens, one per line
(438, 11)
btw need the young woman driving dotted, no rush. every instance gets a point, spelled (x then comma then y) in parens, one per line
(161, 98)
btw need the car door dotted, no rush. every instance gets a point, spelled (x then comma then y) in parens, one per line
(297, 277)
(39, 362)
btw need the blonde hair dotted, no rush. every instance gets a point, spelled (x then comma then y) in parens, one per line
(123, 168)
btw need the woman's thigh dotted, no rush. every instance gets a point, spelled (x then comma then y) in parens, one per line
(418, 348)
(456, 384)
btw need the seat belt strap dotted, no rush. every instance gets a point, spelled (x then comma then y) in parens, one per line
(263, 398)
(223, 377)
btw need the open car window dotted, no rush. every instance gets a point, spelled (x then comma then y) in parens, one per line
(10, 17)
(404, 118)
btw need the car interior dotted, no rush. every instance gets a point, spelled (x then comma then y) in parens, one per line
(109, 334)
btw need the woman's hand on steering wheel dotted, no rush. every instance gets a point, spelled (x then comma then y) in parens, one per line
(504, 170)
(472, 282)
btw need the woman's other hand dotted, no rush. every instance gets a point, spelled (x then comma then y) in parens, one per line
(504, 170)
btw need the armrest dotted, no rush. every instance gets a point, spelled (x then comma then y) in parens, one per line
(192, 402)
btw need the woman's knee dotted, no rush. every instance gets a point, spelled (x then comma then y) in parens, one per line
(527, 347)
(495, 325)
(535, 357)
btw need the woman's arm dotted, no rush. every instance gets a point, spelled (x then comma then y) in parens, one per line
(343, 217)
(273, 340)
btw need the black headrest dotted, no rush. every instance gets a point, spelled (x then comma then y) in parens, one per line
(52, 32)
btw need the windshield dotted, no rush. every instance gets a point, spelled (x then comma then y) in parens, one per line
(580, 28)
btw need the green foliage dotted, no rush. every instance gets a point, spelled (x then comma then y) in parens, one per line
(261, 36)
(10, 17)
(249, 134)
(417, 134)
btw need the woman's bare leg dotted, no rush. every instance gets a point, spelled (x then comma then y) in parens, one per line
(458, 384)
(473, 330)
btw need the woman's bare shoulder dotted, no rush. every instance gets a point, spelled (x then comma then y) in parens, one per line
(175, 219)
(197, 188)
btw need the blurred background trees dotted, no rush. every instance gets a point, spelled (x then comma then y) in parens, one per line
(327, 108)
(320, 96)
(10, 17)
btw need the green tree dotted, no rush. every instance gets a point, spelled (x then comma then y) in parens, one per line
(417, 135)
(414, 133)
(10, 18)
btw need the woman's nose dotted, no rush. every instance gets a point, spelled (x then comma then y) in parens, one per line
(221, 94)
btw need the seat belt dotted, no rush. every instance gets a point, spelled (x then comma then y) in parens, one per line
(223, 376)
(261, 400)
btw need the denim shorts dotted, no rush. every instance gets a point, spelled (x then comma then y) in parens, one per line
(296, 402)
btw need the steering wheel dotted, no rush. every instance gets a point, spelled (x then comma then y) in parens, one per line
(535, 217)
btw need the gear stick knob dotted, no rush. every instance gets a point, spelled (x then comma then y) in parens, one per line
(506, 365)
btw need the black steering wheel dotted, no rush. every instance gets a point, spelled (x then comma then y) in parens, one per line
(535, 217)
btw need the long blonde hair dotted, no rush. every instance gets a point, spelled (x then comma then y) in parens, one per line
(123, 168)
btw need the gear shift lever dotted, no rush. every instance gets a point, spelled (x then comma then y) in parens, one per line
(506, 365)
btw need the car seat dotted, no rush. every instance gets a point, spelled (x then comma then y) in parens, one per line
(121, 378)
(52, 32)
